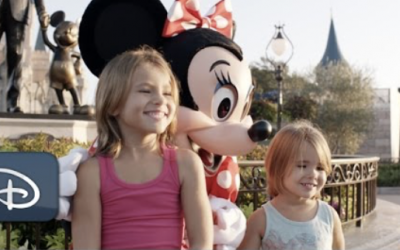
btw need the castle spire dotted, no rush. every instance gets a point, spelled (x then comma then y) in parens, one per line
(39, 42)
(332, 52)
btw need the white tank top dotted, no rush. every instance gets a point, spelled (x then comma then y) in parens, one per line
(284, 234)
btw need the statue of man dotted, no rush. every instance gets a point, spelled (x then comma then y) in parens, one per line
(14, 17)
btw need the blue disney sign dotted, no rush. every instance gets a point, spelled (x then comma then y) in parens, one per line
(29, 184)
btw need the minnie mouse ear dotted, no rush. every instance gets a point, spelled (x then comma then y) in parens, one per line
(110, 27)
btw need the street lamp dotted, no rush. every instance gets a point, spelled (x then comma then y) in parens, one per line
(279, 51)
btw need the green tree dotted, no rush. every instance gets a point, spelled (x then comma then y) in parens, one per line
(263, 76)
(295, 85)
(301, 107)
(337, 97)
(345, 98)
(263, 110)
(295, 106)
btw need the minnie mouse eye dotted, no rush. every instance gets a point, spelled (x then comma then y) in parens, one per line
(224, 102)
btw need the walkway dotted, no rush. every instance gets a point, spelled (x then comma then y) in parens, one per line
(381, 230)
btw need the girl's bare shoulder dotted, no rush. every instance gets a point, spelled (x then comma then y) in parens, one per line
(89, 169)
(88, 179)
(257, 222)
(189, 163)
(187, 156)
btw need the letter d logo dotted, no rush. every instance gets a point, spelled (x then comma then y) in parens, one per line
(28, 186)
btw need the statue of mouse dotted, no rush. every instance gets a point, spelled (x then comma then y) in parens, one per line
(65, 65)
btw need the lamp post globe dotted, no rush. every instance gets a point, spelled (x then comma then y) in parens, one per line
(279, 51)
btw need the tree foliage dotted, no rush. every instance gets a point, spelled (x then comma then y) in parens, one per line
(295, 106)
(345, 98)
(301, 107)
(338, 98)
(263, 110)
(263, 76)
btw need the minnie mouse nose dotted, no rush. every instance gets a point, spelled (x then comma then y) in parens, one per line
(260, 131)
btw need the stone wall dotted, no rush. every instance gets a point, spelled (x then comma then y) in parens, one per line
(383, 139)
(84, 131)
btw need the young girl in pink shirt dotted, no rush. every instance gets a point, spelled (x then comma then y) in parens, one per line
(139, 190)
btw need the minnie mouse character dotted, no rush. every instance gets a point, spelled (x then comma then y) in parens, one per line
(216, 86)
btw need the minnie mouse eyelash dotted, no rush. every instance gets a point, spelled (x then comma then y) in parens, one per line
(224, 80)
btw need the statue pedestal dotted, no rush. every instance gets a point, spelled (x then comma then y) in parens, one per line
(77, 127)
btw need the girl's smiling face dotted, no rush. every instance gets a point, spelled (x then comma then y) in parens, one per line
(149, 107)
(307, 177)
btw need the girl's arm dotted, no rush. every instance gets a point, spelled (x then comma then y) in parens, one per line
(255, 231)
(86, 209)
(338, 237)
(196, 206)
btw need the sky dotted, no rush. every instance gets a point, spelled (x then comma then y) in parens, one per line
(368, 31)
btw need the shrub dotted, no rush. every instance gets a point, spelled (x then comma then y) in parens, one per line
(41, 143)
(56, 241)
(258, 153)
(389, 175)
(15, 234)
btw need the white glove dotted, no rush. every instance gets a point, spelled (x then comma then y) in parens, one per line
(231, 224)
(68, 181)
(63, 210)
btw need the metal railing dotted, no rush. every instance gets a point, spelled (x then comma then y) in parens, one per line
(351, 189)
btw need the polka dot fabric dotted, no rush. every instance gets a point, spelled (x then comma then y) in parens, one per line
(185, 15)
(225, 182)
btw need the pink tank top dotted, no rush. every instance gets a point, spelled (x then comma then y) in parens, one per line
(141, 216)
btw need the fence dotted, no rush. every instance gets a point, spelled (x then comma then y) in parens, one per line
(351, 189)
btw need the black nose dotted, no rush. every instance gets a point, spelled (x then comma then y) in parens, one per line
(260, 131)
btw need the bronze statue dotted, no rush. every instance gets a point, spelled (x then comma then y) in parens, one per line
(14, 16)
(66, 63)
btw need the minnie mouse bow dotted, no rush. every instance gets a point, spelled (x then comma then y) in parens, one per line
(185, 15)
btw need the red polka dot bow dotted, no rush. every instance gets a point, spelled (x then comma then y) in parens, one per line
(185, 15)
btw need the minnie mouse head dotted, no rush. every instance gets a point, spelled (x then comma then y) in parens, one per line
(216, 84)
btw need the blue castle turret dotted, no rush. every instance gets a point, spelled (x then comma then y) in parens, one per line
(332, 53)
(39, 46)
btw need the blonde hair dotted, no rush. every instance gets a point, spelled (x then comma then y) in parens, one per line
(285, 148)
(112, 93)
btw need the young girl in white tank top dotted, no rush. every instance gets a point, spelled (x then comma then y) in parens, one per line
(297, 164)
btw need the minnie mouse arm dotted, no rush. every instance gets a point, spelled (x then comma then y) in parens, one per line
(68, 181)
